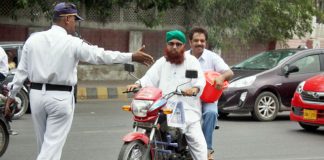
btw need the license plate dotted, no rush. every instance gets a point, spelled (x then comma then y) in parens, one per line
(310, 114)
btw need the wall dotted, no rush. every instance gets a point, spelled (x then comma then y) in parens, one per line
(121, 40)
(239, 52)
(13, 32)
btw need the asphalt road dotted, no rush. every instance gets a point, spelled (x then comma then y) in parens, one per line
(98, 128)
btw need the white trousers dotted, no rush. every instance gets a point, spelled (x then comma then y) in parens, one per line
(52, 114)
(196, 141)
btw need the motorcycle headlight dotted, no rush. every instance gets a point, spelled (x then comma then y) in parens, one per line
(244, 82)
(140, 107)
(300, 87)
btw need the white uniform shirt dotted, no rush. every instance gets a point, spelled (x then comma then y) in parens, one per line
(211, 61)
(52, 56)
(167, 77)
(4, 68)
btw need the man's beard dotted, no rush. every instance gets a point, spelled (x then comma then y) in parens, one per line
(173, 56)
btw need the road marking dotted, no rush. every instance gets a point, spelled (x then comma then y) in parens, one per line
(306, 158)
(125, 131)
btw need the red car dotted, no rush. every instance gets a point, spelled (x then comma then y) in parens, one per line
(307, 105)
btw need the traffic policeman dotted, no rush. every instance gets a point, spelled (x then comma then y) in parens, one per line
(49, 60)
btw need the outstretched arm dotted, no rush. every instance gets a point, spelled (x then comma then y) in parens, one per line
(141, 57)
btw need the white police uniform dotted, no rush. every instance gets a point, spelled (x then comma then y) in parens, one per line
(167, 77)
(49, 60)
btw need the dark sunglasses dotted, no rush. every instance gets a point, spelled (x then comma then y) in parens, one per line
(178, 44)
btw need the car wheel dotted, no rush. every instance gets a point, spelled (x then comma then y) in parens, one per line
(266, 107)
(308, 127)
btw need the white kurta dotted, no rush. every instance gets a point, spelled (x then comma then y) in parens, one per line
(167, 77)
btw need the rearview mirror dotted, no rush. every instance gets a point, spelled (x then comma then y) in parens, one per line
(191, 74)
(129, 67)
(291, 69)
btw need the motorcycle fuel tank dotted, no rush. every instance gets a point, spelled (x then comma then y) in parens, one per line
(149, 93)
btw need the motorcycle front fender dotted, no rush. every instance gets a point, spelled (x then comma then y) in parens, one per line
(25, 90)
(136, 136)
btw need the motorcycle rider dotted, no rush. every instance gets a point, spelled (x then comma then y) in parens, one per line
(167, 73)
(209, 61)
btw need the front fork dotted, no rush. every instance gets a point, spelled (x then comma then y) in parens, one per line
(159, 142)
(149, 149)
(142, 136)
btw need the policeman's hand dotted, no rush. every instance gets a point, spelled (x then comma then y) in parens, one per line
(132, 87)
(191, 91)
(7, 111)
(141, 57)
(219, 82)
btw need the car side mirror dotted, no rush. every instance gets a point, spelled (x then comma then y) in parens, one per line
(291, 69)
(191, 74)
(129, 67)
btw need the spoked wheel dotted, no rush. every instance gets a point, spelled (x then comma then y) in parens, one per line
(134, 150)
(266, 107)
(4, 138)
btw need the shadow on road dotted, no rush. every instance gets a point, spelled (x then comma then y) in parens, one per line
(319, 131)
(248, 118)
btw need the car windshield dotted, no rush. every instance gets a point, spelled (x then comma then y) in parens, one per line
(265, 60)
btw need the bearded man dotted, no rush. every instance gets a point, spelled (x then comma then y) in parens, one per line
(169, 72)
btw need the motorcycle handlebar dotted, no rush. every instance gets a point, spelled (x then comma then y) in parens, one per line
(177, 92)
(135, 90)
(181, 93)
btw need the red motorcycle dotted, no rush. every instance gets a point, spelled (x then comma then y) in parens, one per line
(152, 137)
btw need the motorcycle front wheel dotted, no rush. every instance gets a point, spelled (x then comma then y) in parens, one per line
(22, 104)
(134, 150)
(4, 138)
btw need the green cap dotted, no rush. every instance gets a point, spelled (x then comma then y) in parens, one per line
(176, 34)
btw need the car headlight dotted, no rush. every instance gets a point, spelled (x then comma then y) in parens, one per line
(140, 107)
(300, 87)
(244, 82)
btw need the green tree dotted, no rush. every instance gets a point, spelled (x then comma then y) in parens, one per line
(243, 20)
(262, 20)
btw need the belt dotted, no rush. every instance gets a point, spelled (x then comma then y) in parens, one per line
(51, 87)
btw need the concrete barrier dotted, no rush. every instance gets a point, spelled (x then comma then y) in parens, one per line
(102, 93)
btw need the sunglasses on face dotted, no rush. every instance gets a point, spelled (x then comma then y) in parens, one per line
(178, 44)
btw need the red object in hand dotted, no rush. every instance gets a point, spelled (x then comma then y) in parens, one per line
(210, 94)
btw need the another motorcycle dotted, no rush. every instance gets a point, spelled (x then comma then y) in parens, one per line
(4, 133)
(153, 138)
(22, 97)
(4, 122)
